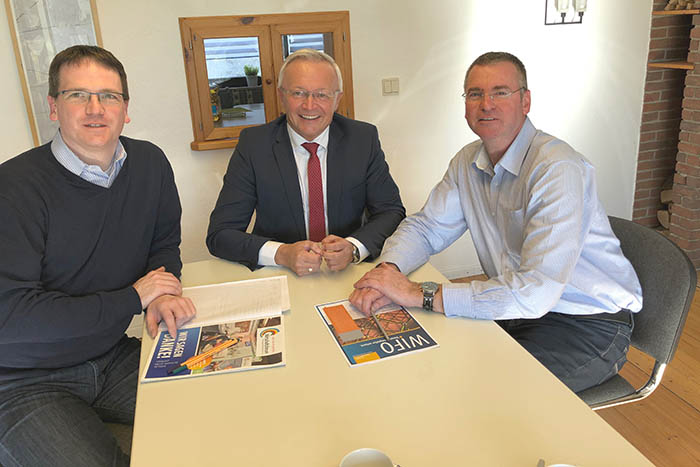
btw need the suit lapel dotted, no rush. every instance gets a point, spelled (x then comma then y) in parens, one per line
(336, 160)
(282, 149)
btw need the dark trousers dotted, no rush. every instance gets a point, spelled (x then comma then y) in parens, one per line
(57, 419)
(581, 351)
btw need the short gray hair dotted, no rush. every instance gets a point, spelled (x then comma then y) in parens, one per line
(494, 57)
(312, 56)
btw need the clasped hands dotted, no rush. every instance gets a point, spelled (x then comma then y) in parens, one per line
(305, 257)
(161, 296)
(385, 284)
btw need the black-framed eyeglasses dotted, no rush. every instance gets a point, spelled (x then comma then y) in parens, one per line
(302, 94)
(79, 96)
(501, 94)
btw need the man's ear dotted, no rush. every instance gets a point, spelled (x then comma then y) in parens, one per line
(126, 114)
(337, 100)
(280, 99)
(526, 102)
(53, 113)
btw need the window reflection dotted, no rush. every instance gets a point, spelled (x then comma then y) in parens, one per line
(235, 84)
(318, 41)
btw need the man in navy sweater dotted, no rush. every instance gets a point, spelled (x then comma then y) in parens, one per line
(89, 237)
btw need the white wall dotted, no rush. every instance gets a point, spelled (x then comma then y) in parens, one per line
(15, 133)
(587, 86)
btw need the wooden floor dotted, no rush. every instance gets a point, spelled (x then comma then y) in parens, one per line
(665, 426)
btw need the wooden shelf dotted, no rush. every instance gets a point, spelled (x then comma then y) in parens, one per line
(675, 12)
(673, 65)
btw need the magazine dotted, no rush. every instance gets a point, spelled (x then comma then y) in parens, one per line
(364, 339)
(239, 326)
(256, 343)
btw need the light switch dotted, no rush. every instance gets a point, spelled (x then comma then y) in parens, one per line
(390, 86)
(386, 86)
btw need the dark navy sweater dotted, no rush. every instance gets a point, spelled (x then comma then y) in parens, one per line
(71, 250)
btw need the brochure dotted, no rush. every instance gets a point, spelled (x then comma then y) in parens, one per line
(257, 343)
(362, 341)
(239, 326)
(253, 298)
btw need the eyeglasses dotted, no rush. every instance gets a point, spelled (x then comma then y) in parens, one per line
(78, 96)
(301, 94)
(476, 96)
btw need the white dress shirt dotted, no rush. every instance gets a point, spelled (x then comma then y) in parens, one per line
(266, 256)
(541, 234)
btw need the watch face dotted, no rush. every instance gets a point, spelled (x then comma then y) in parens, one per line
(355, 254)
(429, 287)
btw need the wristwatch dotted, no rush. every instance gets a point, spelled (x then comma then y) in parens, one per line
(355, 254)
(429, 290)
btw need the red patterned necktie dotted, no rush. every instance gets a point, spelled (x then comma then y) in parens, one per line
(317, 218)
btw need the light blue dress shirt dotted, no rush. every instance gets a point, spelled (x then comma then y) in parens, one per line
(541, 234)
(90, 173)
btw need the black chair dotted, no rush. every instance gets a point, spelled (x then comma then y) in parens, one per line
(668, 280)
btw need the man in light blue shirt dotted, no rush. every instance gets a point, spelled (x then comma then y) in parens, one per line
(557, 279)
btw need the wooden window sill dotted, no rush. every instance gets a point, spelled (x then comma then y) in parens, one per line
(214, 144)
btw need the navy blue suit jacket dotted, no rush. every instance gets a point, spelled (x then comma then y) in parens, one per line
(363, 200)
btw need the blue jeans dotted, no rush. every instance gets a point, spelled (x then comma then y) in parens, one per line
(57, 419)
(581, 352)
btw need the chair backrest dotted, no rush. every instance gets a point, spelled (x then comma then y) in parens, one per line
(668, 280)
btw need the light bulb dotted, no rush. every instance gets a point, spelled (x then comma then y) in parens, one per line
(580, 5)
(562, 5)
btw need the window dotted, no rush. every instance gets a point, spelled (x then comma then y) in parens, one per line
(232, 64)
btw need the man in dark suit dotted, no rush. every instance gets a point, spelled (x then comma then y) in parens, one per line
(317, 181)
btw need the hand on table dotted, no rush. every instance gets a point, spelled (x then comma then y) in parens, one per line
(303, 257)
(367, 300)
(174, 310)
(383, 285)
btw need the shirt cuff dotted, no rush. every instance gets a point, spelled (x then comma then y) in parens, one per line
(266, 255)
(364, 252)
(456, 300)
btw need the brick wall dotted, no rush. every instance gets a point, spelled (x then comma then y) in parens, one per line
(669, 148)
(661, 113)
(685, 211)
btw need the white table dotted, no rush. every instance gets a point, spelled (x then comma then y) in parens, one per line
(478, 399)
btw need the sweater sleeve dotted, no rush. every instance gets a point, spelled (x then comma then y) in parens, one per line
(29, 313)
(165, 245)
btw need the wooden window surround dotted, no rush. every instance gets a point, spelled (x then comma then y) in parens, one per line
(214, 127)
